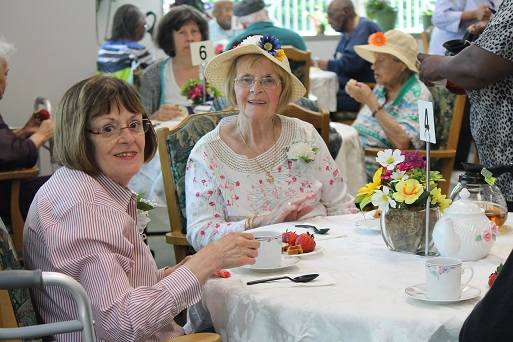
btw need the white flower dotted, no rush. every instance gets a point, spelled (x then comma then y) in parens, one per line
(382, 199)
(388, 159)
(251, 40)
(399, 175)
(302, 151)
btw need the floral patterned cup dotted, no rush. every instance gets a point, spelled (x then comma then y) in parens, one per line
(443, 278)
(269, 252)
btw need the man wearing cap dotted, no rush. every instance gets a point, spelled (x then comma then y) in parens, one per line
(346, 63)
(255, 19)
(220, 27)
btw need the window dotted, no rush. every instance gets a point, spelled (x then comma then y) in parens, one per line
(296, 14)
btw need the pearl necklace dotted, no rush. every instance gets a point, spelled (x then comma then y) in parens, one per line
(269, 177)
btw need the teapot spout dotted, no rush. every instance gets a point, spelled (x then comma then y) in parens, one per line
(445, 238)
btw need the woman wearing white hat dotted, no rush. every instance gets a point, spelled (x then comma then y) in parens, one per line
(258, 167)
(389, 118)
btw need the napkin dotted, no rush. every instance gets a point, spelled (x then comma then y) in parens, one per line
(324, 279)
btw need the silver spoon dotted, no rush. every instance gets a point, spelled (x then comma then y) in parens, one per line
(315, 229)
(300, 279)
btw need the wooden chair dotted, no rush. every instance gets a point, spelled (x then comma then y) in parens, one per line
(321, 120)
(17, 220)
(448, 112)
(299, 61)
(175, 146)
(426, 35)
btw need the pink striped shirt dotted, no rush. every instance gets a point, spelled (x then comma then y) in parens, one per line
(86, 227)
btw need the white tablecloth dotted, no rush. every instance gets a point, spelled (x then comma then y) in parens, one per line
(324, 85)
(367, 302)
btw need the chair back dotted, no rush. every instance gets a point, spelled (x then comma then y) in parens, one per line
(321, 121)
(175, 146)
(299, 61)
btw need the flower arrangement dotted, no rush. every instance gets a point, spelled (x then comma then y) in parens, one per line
(270, 44)
(372, 7)
(400, 183)
(193, 90)
(319, 18)
(302, 151)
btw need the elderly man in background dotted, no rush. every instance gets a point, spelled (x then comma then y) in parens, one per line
(220, 27)
(255, 19)
(346, 62)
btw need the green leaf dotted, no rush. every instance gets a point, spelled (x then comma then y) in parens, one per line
(479, 238)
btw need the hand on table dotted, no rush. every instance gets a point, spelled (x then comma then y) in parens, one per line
(167, 112)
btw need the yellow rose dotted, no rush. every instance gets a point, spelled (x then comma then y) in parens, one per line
(408, 191)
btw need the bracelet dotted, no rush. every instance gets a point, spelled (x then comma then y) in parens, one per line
(376, 110)
(250, 222)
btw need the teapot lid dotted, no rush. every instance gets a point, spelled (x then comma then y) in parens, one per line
(464, 205)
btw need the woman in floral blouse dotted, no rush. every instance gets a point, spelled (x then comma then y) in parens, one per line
(259, 168)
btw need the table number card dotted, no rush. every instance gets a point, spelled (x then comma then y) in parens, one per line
(427, 122)
(202, 52)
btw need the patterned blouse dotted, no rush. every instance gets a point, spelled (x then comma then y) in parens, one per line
(223, 189)
(404, 110)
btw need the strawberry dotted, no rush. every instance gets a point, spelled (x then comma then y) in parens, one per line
(493, 276)
(42, 114)
(307, 242)
(289, 237)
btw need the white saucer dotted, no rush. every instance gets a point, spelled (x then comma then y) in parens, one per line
(369, 224)
(286, 261)
(317, 249)
(468, 292)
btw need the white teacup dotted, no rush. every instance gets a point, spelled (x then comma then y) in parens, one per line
(443, 278)
(269, 252)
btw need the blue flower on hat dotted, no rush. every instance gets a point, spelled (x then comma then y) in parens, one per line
(270, 44)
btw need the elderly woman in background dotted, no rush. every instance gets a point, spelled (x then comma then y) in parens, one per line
(19, 148)
(84, 222)
(121, 54)
(162, 82)
(258, 167)
(389, 117)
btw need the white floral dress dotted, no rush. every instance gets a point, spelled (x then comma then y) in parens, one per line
(223, 188)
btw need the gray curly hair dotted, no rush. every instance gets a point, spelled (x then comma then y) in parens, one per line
(6, 48)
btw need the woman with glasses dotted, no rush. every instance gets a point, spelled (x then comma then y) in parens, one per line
(258, 167)
(84, 223)
(121, 55)
(162, 82)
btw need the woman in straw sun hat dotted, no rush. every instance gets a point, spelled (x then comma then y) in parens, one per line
(389, 117)
(258, 167)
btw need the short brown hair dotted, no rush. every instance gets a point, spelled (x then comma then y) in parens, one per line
(173, 21)
(90, 98)
(286, 81)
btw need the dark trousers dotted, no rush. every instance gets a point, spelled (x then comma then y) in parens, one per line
(28, 189)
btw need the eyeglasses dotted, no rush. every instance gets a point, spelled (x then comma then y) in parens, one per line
(266, 82)
(114, 131)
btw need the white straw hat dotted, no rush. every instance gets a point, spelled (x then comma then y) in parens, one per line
(218, 67)
(393, 42)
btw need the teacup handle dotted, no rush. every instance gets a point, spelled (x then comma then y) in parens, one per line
(471, 275)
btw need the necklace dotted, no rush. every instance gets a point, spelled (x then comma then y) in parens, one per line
(268, 175)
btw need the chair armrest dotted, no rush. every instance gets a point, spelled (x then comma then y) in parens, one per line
(18, 174)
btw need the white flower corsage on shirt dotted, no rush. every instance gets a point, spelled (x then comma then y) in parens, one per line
(143, 208)
(302, 152)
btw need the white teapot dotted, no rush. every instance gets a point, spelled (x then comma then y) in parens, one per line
(464, 231)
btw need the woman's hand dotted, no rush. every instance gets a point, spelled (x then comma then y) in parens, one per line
(483, 13)
(234, 250)
(429, 68)
(43, 133)
(291, 210)
(170, 269)
(477, 28)
(166, 112)
(358, 91)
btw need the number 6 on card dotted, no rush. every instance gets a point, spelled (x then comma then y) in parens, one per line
(427, 122)
(202, 52)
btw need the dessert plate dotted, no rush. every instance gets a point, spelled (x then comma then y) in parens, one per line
(317, 249)
(369, 224)
(286, 261)
(468, 292)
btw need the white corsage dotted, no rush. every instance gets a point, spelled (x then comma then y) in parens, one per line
(143, 217)
(302, 152)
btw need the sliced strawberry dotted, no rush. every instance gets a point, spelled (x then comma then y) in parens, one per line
(491, 278)
(307, 242)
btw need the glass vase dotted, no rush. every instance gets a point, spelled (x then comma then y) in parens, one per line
(404, 230)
